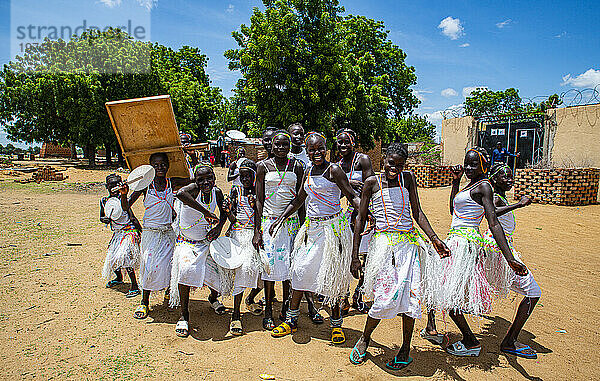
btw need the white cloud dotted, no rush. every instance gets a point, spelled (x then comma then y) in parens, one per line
(451, 28)
(111, 3)
(148, 4)
(436, 117)
(420, 94)
(449, 92)
(466, 44)
(504, 23)
(561, 35)
(230, 8)
(590, 78)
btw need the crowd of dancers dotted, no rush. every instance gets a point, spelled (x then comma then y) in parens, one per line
(286, 213)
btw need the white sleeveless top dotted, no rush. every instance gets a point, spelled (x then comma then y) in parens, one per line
(237, 182)
(301, 156)
(507, 221)
(280, 189)
(391, 208)
(467, 213)
(245, 213)
(353, 174)
(192, 223)
(323, 196)
(158, 206)
(123, 221)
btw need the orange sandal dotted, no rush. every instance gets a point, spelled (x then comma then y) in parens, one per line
(283, 329)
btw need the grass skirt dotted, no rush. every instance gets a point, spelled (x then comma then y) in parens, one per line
(321, 258)
(157, 246)
(123, 252)
(497, 271)
(459, 281)
(278, 249)
(246, 276)
(193, 266)
(393, 274)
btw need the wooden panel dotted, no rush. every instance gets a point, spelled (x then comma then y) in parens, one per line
(147, 125)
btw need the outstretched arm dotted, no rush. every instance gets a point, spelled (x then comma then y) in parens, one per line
(457, 172)
(485, 192)
(421, 218)
(503, 209)
(187, 196)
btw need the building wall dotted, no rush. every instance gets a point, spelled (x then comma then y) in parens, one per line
(576, 140)
(455, 139)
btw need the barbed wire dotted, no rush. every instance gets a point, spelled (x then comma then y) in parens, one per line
(569, 98)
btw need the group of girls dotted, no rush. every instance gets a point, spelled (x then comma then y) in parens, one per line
(287, 216)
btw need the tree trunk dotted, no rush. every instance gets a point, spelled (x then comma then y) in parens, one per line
(108, 149)
(91, 155)
(73, 151)
(120, 156)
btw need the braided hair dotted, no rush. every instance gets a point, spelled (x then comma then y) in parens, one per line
(351, 134)
(484, 157)
(496, 169)
(313, 135)
(203, 164)
(398, 149)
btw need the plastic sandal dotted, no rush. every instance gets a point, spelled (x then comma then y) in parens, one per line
(254, 308)
(433, 339)
(519, 352)
(182, 328)
(283, 329)
(337, 336)
(317, 318)
(360, 357)
(459, 349)
(141, 312)
(235, 328)
(133, 293)
(395, 364)
(268, 324)
(218, 307)
(113, 283)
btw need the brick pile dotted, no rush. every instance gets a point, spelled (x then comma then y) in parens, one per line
(53, 150)
(47, 173)
(560, 186)
(431, 176)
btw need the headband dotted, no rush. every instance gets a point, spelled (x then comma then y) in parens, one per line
(246, 167)
(284, 133)
(203, 164)
(349, 134)
(481, 159)
(503, 167)
(311, 133)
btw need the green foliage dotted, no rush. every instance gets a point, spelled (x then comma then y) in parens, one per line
(57, 91)
(301, 61)
(482, 103)
(413, 128)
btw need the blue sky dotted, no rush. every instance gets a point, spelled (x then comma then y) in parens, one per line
(538, 47)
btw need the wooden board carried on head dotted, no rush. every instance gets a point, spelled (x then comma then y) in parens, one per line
(145, 126)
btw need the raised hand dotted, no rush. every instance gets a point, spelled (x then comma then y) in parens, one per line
(457, 172)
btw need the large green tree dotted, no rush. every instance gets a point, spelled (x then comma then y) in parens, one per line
(57, 91)
(302, 61)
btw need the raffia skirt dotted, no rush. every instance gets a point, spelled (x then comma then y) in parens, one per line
(246, 276)
(278, 249)
(123, 252)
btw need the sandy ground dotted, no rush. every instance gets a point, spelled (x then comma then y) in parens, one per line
(58, 321)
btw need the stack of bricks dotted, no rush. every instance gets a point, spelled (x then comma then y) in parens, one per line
(50, 149)
(47, 173)
(560, 186)
(431, 176)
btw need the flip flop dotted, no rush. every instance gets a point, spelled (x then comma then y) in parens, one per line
(519, 352)
(433, 339)
(218, 307)
(254, 308)
(283, 329)
(113, 283)
(317, 318)
(337, 336)
(235, 328)
(133, 293)
(182, 328)
(361, 357)
(395, 364)
(141, 312)
(459, 349)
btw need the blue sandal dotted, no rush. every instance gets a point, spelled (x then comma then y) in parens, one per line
(361, 357)
(519, 352)
(395, 364)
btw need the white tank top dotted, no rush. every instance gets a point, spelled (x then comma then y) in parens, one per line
(507, 221)
(301, 156)
(391, 208)
(353, 174)
(280, 189)
(237, 182)
(245, 213)
(467, 213)
(158, 206)
(323, 196)
(123, 221)
(192, 223)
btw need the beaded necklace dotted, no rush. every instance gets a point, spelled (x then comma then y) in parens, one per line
(160, 199)
(285, 170)
(400, 182)
(318, 196)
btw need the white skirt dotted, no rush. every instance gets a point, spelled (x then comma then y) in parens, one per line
(394, 285)
(278, 249)
(123, 252)
(246, 276)
(321, 258)
(365, 239)
(193, 266)
(458, 282)
(499, 274)
(157, 246)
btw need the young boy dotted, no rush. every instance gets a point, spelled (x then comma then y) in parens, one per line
(123, 249)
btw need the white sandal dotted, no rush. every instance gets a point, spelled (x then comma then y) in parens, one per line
(218, 307)
(459, 349)
(182, 328)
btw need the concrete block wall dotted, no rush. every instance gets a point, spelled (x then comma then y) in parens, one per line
(559, 186)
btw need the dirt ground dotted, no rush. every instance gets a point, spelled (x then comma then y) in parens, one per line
(58, 321)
